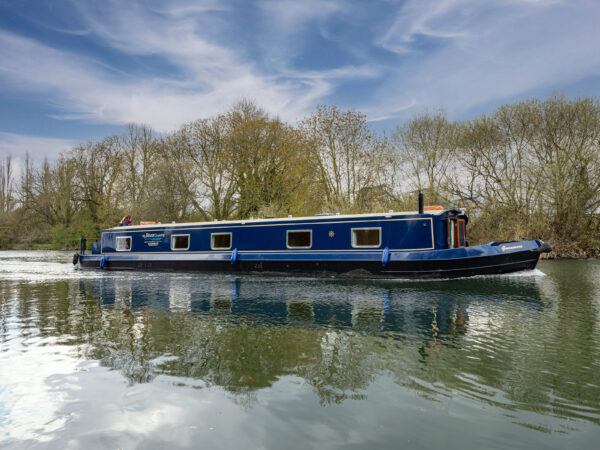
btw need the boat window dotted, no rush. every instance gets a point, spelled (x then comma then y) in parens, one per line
(180, 241)
(366, 237)
(456, 233)
(299, 238)
(123, 243)
(220, 241)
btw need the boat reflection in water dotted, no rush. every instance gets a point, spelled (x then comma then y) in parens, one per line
(408, 309)
(338, 335)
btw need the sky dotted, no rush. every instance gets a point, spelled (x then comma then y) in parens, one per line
(77, 71)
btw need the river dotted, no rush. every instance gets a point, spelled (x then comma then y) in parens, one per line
(93, 359)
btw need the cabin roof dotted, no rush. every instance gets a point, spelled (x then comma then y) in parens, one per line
(283, 219)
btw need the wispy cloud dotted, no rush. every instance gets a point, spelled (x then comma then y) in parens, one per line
(461, 53)
(451, 19)
(207, 76)
(290, 16)
(164, 64)
(437, 19)
(18, 146)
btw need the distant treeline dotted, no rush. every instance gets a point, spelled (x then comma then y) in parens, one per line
(528, 169)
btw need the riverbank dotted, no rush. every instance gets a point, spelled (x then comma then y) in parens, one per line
(570, 250)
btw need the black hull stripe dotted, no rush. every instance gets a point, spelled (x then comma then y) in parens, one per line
(470, 268)
(343, 268)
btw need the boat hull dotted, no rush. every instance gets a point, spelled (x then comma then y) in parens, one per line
(493, 258)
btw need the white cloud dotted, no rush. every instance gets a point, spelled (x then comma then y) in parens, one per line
(426, 18)
(488, 50)
(18, 145)
(207, 79)
(455, 53)
(84, 89)
(289, 16)
(451, 19)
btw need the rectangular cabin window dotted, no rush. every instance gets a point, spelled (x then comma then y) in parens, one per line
(180, 241)
(220, 241)
(299, 238)
(366, 237)
(123, 243)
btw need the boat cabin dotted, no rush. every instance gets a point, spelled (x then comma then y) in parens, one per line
(400, 231)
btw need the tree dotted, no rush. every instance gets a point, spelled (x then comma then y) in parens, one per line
(495, 160)
(425, 148)
(205, 145)
(49, 192)
(349, 157)
(6, 185)
(566, 147)
(139, 154)
(172, 188)
(271, 167)
(97, 167)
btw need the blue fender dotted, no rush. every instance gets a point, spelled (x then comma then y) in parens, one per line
(385, 257)
(234, 255)
(102, 262)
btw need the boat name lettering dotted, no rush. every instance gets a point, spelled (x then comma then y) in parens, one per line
(153, 236)
(510, 247)
(152, 239)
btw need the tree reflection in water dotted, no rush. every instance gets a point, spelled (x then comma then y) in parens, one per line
(478, 338)
(243, 334)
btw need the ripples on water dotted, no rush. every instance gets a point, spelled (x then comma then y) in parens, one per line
(118, 359)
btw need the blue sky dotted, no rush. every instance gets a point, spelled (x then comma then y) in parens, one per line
(74, 71)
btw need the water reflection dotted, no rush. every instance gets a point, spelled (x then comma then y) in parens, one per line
(374, 306)
(527, 346)
(245, 333)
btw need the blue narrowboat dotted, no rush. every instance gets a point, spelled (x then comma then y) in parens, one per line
(423, 244)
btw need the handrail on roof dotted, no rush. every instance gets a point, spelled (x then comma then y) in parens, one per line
(283, 219)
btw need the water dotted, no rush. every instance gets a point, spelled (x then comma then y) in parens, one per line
(157, 360)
